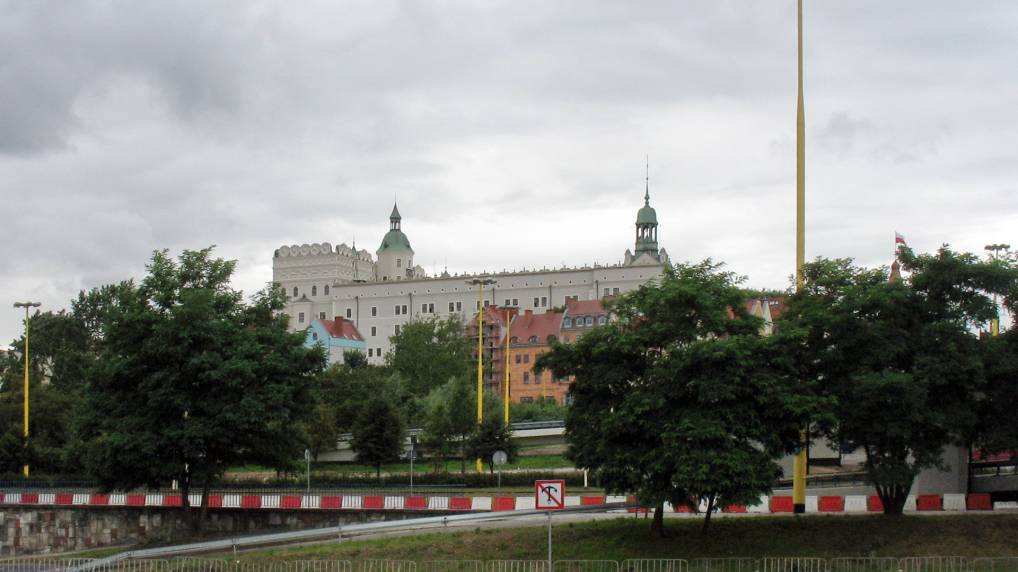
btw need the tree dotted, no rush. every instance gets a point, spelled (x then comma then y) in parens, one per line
(898, 358)
(427, 353)
(680, 399)
(490, 436)
(191, 380)
(378, 434)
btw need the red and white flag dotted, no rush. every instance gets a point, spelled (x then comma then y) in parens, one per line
(899, 240)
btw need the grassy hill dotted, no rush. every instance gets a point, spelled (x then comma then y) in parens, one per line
(970, 535)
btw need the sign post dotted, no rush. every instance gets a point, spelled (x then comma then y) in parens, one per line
(549, 496)
(498, 459)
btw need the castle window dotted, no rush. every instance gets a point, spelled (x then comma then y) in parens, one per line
(403, 308)
(544, 301)
(516, 301)
(371, 352)
(615, 291)
(326, 288)
(374, 331)
(607, 291)
(321, 315)
(567, 322)
(537, 301)
(395, 329)
(349, 313)
(507, 301)
(431, 308)
(537, 378)
(452, 307)
(395, 310)
(519, 358)
(589, 321)
(314, 290)
(459, 306)
(300, 318)
(526, 357)
(526, 377)
(533, 340)
(399, 263)
(424, 308)
(294, 291)
(374, 311)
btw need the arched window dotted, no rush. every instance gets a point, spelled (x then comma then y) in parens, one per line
(533, 339)
(314, 290)
(567, 322)
(602, 320)
(294, 291)
(326, 290)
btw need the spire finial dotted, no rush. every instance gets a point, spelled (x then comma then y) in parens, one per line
(646, 194)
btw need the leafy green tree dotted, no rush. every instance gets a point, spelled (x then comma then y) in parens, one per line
(998, 425)
(538, 410)
(191, 380)
(355, 359)
(427, 353)
(680, 399)
(898, 358)
(378, 434)
(490, 436)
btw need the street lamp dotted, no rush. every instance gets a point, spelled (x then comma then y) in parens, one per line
(505, 381)
(480, 282)
(27, 306)
(995, 250)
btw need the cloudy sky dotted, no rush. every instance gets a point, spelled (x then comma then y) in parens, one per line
(513, 134)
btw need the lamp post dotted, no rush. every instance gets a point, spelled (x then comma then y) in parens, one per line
(505, 382)
(480, 282)
(800, 464)
(995, 250)
(27, 306)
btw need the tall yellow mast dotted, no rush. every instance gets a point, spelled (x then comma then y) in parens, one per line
(801, 459)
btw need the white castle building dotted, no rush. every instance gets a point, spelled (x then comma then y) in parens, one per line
(381, 294)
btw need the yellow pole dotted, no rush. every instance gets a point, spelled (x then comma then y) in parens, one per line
(800, 465)
(505, 382)
(480, 363)
(25, 468)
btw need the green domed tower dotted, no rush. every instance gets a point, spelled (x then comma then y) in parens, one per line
(646, 227)
(395, 257)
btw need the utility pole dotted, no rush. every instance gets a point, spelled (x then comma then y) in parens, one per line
(27, 306)
(799, 468)
(480, 283)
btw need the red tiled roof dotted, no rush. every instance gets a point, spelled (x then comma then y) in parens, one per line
(342, 328)
(584, 307)
(528, 324)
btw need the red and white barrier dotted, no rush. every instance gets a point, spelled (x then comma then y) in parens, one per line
(776, 504)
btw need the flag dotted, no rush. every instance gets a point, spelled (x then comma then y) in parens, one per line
(898, 239)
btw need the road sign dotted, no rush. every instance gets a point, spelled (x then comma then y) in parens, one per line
(549, 495)
(500, 458)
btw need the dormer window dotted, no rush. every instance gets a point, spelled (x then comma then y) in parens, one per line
(533, 339)
(589, 321)
(567, 322)
(602, 320)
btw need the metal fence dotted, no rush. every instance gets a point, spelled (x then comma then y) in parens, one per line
(770, 564)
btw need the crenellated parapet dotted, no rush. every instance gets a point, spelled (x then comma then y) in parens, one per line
(322, 248)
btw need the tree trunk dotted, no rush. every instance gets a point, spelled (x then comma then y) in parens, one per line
(706, 518)
(206, 483)
(185, 501)
(893, 497)
(657, 526)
